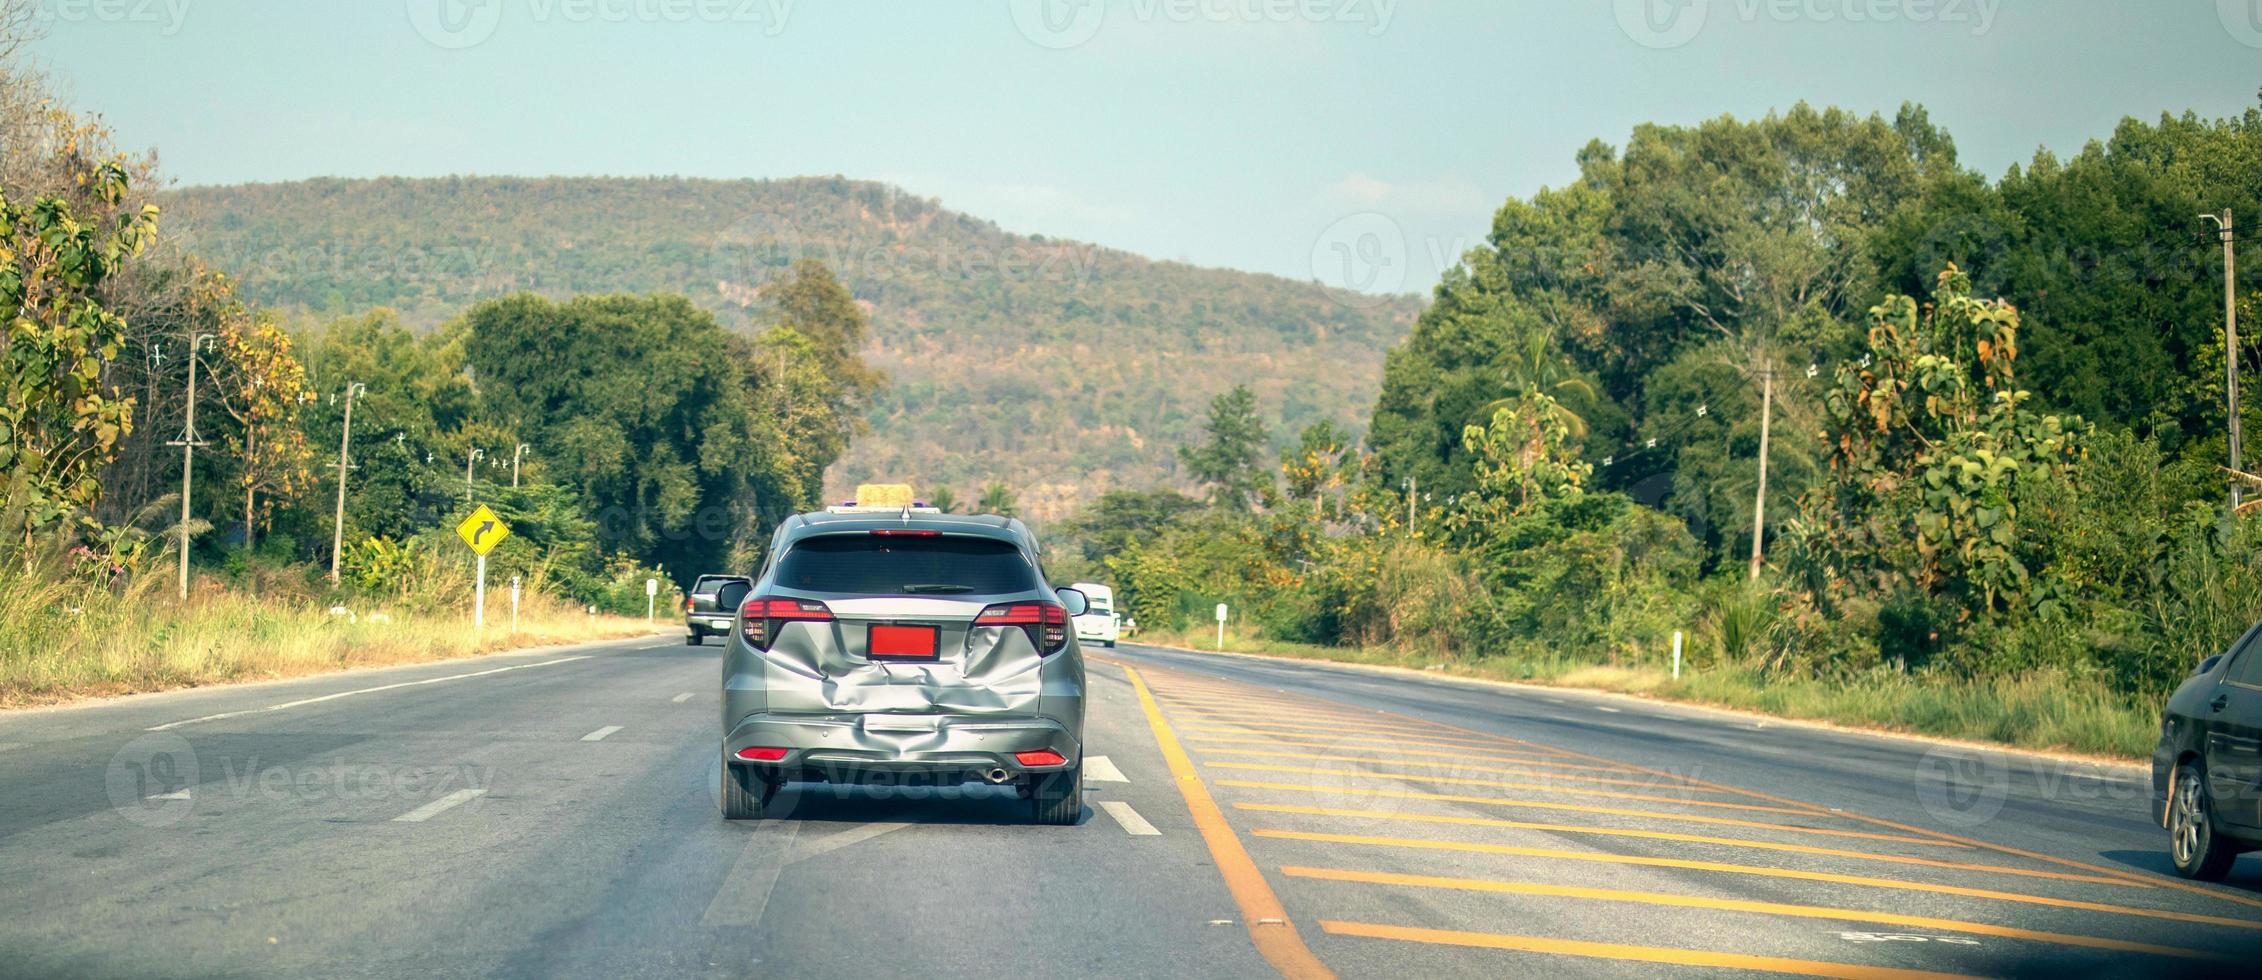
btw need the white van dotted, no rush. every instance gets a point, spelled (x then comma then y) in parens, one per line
(1100, 622)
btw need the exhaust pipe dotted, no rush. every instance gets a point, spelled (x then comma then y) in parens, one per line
(998, 776)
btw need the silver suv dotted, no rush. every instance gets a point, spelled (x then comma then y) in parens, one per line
(904, 646)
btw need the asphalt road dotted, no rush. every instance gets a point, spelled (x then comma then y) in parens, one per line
(552, 814)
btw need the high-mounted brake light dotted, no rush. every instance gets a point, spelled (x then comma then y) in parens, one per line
(894, 532)
(758, 620)
(1046, 622)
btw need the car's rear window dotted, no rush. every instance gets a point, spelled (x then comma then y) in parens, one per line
(867, 564)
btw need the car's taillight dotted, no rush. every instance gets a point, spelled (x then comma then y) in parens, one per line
(758, 619)
(761, 754)
(1047, 623)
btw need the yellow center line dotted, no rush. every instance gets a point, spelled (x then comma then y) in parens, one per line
(1684, 838)
(1741, 905)
(1505, 784)
(1637, 954)
(1501, 801)
(1267, 920)
(1746, 869)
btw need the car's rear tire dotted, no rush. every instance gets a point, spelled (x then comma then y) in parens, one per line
(1110, 644)
(1058, 797)
(2193, 846)
(747, 792)
(695, 639)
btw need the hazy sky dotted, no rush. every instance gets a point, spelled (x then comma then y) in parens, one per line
(1268, 135)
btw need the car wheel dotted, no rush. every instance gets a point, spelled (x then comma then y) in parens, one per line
(2192, 842)
(746, 792)
(1059, 797)
(1110, 644)
(695, 639)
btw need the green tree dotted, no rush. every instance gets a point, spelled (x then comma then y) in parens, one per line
(58, 424)
(1231, 462)
(941, 498)
(997, 498)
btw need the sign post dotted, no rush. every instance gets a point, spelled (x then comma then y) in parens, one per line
(483, 531)
(1221, 613)
(651, 594)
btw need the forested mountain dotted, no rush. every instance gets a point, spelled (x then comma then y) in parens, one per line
(1058, 367)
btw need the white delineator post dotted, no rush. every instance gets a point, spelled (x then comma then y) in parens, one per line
(1221, 613)
(651, 599)
(514, 604)
(1676, 654)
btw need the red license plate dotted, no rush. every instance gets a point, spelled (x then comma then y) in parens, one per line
(904, 642)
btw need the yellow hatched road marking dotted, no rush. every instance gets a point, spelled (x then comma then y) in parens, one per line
(1683, 838)
(1741, 905)
(1746, 869)
(1385, 746)
(1371, 753)
(1637, 954)
(1651, 783)
(1577, 808)
(1336, 734)
(1504, 784)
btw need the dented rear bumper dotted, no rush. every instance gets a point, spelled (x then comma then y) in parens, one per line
(853, 747)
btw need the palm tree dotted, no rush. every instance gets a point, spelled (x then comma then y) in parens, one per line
(997, 499)
(1538, 368)
(943, 500)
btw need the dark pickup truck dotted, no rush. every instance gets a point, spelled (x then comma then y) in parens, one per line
(713, 606)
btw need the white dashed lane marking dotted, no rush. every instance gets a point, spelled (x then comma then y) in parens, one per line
(1101, 769)
(365, 690)
(681, 698)
(599, 734)
(179, 794)
(1131, 821)
(440, 806)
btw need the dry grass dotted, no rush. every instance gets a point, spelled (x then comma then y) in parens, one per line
(61, 640)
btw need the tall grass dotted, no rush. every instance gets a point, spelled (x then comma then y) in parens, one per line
(63, 635)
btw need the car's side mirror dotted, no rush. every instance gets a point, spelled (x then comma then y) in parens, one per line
(1077, 603)
(730, 597)
(2208, 665)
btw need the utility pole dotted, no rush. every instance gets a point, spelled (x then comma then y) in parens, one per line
(345, 462)
(1766, 420)
(188, 443)
(470, 487)
(2230, 341)
(516, 455)
(1413, 484)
